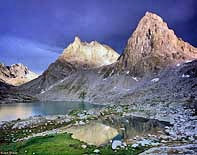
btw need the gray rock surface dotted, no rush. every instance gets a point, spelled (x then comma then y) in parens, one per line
(165, 150)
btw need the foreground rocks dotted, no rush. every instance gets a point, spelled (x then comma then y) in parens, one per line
(189, 149)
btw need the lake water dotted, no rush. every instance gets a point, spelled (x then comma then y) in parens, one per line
(99, 132)
(25, 110)
(129, 127)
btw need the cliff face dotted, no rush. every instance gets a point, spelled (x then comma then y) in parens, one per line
(153, 46)
(16, 74)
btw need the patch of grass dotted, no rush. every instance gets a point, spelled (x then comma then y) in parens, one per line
(129, 151)
(62, 144)
(53, 144)
(74, 112)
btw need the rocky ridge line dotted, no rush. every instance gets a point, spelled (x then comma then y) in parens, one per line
(91, 54)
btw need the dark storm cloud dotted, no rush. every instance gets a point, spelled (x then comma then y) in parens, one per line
(47, 26)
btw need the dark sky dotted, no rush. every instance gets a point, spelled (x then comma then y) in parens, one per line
(34, 32)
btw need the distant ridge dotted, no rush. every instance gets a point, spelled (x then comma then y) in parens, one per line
(16, 74)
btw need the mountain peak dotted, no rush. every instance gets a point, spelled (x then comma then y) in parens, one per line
(152, 23)
(152, 16)
(77, 40)
(91, 54)
(154, 46)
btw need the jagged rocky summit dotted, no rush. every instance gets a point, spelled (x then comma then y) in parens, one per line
(153, 46)
(91, 54)
(16, 74)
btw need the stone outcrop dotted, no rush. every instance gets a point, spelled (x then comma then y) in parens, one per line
(153, 46)
(16, 74)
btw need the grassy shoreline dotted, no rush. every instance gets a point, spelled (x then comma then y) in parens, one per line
(63, 144)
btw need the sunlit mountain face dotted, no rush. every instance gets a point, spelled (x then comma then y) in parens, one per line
(36, 29)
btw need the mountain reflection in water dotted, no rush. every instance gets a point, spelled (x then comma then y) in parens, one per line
(120, 128)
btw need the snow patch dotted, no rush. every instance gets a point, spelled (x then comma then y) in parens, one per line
(62, 81)
(185, 76)
(188, 61)
(53, 85)
(115, 88)
(42, 91)
(178, 65)
(111, 73)
(155, 80)
(135, 78)
(104, 79)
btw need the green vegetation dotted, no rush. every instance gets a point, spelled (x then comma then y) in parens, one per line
(53, 144)
(75, 112)
(9, 135)
(62, 144)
